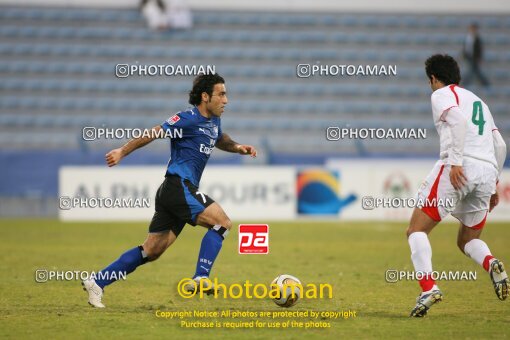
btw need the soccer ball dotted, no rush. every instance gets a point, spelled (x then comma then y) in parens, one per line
(289, 283)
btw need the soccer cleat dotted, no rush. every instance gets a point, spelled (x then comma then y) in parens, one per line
(95, 293)
(193, 286)
(499, 279)
(425, 301)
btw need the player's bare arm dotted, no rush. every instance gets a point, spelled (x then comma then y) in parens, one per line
(226, 143)
(113, 157)
(494, 201)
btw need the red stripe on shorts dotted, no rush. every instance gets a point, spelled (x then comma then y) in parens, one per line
(481, 224)
(432, 211)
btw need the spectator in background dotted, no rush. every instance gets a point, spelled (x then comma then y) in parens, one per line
(473, 54)
(154, 13)
(170, 14)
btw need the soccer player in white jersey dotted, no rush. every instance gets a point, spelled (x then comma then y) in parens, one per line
(471, 159)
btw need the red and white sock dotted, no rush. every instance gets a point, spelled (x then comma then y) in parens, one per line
(479, 252)
(421, 255)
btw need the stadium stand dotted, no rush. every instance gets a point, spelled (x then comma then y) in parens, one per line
(57, 69)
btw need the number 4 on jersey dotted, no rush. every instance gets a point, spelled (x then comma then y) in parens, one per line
(477, 117)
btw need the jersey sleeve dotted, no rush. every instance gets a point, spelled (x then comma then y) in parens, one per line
(178, 121)
(500, 148)
(442, 101)
(492, 124)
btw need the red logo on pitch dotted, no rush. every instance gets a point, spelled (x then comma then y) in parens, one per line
(253, 239)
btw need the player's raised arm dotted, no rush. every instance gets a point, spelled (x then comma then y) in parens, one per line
(113, 157)
(226, 143)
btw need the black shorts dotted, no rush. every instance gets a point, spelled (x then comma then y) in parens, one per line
(178, 202)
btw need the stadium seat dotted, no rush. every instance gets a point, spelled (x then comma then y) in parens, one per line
(56, 76)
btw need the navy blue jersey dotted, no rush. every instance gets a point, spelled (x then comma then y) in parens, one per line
(190, 153)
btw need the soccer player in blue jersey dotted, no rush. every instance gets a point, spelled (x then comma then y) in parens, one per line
(178, 200)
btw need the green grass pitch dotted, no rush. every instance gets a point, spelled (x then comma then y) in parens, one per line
(352, 257)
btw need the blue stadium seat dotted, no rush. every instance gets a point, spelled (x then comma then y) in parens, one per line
(57, 76)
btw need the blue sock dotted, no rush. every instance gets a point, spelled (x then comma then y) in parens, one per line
(211, 246)
(126, 263)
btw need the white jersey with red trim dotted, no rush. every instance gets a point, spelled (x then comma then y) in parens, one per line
(479, 142)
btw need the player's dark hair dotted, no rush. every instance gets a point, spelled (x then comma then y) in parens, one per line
(203, 83)
(444, 68)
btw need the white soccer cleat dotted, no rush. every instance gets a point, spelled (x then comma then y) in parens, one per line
(499, 279)
(425, 301)
(95, 293)
(193, 286)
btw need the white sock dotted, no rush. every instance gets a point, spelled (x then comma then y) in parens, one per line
(421, 252)
(477, 250)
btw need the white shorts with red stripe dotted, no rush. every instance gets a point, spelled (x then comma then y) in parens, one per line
(470, 204)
